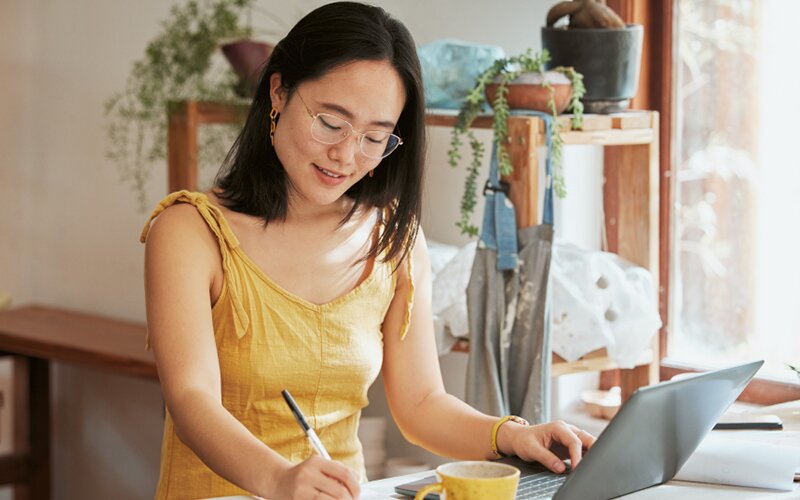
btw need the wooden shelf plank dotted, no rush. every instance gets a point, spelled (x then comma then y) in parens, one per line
(210, 112)
(448, 120)
(609, 137)
(626, 119)
(606, 130)
(631, 119)
(594, 361)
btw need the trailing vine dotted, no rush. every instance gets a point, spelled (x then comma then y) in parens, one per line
(177, 64)
(504, 71)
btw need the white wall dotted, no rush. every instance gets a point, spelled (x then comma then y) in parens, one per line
(68, 234)
(69, 228)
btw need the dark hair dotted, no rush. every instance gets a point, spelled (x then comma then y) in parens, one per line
(252, 179)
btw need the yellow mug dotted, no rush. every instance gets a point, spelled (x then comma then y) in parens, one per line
(474, 481)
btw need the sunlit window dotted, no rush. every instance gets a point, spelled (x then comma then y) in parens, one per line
(736, 232)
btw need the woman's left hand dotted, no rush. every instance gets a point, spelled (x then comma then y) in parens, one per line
(547, 443)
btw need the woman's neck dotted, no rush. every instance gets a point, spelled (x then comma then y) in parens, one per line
(300, 211)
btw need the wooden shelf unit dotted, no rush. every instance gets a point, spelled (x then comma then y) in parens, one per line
(630, 189)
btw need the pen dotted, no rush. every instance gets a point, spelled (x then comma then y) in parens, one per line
(310, 434)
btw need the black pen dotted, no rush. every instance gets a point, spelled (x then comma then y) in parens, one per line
(310, 434)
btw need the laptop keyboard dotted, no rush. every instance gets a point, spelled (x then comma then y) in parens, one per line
(539, 486)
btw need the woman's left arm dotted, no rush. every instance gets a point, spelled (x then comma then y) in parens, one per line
(431, 418)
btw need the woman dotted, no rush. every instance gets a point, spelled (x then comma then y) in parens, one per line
(304, 269)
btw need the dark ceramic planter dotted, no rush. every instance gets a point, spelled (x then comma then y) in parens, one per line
(608, 59)
(248, 58)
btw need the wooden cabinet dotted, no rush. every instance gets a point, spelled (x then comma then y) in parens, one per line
(630, 189)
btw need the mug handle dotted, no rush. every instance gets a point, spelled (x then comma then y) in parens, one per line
(431, 488)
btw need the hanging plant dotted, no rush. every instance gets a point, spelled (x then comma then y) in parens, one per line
(504, 72)
(177, 65)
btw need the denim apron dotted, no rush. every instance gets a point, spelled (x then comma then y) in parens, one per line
(507, 302)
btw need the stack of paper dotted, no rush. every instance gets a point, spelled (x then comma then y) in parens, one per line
(757, 459)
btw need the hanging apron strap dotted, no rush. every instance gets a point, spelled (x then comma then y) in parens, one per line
(499, 227)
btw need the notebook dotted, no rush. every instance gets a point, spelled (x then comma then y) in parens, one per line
(646, 443)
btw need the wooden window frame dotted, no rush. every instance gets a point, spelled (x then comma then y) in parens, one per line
(655, 92)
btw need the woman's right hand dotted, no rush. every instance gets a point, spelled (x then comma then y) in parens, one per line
(316, 477)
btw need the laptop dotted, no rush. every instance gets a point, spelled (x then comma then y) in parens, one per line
(646, 443)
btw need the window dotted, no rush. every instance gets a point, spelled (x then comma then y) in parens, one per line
(735, 241)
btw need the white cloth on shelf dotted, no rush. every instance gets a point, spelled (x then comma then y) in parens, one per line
(601, 300)
(451, 267)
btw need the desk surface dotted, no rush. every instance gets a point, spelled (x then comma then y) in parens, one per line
(86, 339)
(384, 488)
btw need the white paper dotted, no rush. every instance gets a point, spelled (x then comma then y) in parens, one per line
(783, 438)
(740, 462)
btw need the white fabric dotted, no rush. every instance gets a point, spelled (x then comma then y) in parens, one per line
(601, 300)
(451, 268)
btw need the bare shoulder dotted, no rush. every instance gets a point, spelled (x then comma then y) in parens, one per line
(181, 230)
(178, 220)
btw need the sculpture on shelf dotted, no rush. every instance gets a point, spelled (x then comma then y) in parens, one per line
(590, 37)
(585, 14)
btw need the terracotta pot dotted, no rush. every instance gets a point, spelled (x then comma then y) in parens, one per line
(526, 92)
(248, 58)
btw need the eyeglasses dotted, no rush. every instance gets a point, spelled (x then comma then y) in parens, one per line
(330, 129)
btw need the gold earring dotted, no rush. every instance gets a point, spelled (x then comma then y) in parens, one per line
(372, 173)
(273, 114)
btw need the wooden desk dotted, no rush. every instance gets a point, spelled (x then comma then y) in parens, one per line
(36, 335)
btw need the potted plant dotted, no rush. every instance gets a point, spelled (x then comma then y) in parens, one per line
(178, 64)
(514, 82)
(590, 37)
(247, 56)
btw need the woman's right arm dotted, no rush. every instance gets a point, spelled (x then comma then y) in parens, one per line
(182, 260)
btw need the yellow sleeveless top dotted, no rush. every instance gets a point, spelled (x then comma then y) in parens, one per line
(269, 339)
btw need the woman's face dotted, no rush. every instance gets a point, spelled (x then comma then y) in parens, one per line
(368, 94)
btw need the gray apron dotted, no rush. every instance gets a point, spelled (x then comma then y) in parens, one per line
(507, 303)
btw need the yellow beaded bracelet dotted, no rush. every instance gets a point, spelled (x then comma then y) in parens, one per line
(496, 427)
